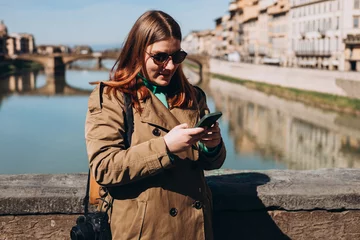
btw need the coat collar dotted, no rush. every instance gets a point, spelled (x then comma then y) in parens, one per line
(155, 113)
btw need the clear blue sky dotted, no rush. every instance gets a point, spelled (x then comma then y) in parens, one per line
(97, 22)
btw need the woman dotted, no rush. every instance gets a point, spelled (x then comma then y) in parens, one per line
(157, 185)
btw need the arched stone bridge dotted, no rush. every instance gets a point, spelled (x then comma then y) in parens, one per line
(55, 63)
(26, 85)
(204, 65)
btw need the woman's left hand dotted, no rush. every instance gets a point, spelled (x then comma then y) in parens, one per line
(212, 136)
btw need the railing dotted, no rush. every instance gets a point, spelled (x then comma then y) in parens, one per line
(313, 53)
(278, 204)
(352, 39)
(322, 32)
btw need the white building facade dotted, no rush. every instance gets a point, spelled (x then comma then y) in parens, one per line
(319, 28)
(200, 42)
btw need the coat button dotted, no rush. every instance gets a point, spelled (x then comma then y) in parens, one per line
(156, 132)
(173, 212)
(197, 205)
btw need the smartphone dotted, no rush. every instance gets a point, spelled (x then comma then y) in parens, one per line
(209, 119)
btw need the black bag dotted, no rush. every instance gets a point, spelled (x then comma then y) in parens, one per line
(95, 226)
(92, 226)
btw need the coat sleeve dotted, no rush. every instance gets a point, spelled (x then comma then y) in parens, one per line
(110, 163)
(209, 161)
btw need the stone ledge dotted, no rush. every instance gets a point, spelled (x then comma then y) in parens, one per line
(42, 193)
(326, 189)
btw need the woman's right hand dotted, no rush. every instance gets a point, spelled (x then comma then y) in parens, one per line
(181, 137)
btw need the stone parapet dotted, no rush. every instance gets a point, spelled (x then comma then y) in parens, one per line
(299, 78)
(290, 190)
(273, 204)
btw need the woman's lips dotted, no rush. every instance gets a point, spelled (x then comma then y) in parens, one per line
(165, 75)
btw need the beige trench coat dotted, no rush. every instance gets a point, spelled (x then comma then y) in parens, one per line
(153, 198)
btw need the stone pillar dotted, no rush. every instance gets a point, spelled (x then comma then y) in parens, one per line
(54, 65)
(55, 84)
(20, 84)
(32, 81)
(12, 83)
(358, 66)
(99, 63)
(205, 70)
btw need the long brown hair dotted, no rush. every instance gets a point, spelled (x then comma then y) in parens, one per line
(150, 27)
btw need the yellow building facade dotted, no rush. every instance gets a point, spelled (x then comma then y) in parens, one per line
(321, 34)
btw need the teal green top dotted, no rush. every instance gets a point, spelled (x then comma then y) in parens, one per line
(160, 93)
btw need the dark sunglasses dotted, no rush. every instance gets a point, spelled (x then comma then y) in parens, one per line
(162, 57)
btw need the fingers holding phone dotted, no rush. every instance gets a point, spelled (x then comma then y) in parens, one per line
(212, 136)
(182, 137)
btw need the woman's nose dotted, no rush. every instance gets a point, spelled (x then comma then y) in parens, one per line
(169, 64)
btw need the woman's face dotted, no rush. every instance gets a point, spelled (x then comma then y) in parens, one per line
(161, 75)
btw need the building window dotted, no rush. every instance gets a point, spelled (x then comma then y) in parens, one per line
(332, 44)
(356, 4)
(297, 28)
(314, 26)
(337, 23)
(356, 22)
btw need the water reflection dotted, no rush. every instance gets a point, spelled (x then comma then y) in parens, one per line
(42, 126)
(302, 137)
(29, 84)
(42, 122)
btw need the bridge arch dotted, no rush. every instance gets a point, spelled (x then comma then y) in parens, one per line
(70, 58)
(52, 63)
(55, 63)
(31, 58)
(204, 66)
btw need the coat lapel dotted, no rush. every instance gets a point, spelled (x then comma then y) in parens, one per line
(155, 113)
(189, 116)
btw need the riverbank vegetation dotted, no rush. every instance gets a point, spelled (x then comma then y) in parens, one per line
(311, 98)
(192, 65)
(18, 66)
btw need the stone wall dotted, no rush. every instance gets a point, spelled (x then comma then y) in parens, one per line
(274, 204)
(331, 82)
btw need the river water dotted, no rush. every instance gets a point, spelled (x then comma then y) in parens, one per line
(42, 127)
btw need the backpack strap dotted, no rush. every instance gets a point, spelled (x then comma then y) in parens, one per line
(129, 119)
(129, 129)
